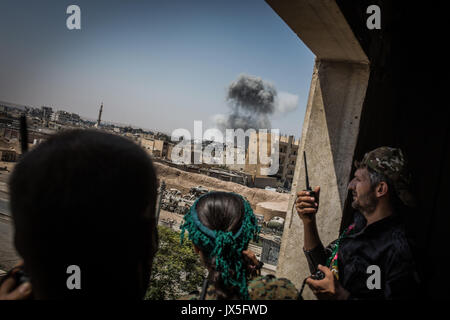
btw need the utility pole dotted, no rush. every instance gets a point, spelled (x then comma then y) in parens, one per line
(161, 189)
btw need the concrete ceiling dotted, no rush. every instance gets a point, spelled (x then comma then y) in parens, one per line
(322, 27)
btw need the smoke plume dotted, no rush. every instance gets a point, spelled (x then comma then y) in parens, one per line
(252, 101)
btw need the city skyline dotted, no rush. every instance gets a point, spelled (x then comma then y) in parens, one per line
(155, 66)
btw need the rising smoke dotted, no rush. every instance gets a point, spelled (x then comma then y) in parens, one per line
(252, 101)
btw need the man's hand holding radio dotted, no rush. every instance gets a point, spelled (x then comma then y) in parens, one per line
(328, 288)
(307, 205)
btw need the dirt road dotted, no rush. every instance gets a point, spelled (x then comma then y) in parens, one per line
(183, 181)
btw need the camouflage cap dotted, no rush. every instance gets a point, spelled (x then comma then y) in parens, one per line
(391, 163)
(269, 287)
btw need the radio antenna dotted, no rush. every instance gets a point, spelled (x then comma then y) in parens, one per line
(308, 187)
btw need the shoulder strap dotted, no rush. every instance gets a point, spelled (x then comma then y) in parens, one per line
(204, 289)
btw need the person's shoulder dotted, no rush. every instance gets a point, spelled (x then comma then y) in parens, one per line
(191, 296)
(269, 287)
(195, 295)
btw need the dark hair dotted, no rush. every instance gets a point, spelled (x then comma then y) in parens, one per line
(221, 211)
(86, 198)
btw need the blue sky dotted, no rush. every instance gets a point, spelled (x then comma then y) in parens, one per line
(155, 64)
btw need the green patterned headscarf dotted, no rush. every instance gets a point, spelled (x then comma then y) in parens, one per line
(225, 246)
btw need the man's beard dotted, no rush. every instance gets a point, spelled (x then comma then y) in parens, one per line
(365, 203)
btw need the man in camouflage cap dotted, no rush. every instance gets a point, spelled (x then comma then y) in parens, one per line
(372, 258)
(391, 163)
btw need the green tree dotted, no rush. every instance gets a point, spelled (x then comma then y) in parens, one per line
(177, 269)
(275, 225)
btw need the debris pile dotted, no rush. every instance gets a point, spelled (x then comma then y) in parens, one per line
(174, 201)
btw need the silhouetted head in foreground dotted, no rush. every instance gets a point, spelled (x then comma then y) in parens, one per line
(87, 199)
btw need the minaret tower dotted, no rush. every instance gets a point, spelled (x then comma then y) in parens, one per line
(97, 125)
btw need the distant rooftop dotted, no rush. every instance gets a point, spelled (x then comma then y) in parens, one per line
(12, 105)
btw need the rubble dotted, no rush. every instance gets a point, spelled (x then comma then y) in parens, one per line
(174, 201)
(185, 181)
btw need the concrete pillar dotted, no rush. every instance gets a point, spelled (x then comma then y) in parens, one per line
(329, 134)
(331, 123)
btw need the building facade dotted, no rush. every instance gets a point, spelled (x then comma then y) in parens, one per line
(256, 157)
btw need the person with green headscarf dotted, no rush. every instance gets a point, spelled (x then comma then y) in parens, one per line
(221, 225)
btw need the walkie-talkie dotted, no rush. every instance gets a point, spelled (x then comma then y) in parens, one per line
(308, 187)
(317, 274)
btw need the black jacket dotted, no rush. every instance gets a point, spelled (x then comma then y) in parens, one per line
(382, 243)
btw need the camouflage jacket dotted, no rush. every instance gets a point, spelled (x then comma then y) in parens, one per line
(266, 287)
